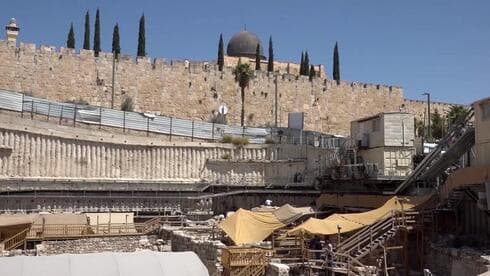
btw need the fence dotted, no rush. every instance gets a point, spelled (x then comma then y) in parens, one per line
(126, 120)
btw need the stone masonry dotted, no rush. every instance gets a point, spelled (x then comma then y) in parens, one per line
(93, 245)
(192, 90)
(38, 150)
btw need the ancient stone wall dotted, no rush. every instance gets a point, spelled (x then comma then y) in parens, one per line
(190, 89)
(34, 149)
(419, 108)
(94, 245)
(199, 242)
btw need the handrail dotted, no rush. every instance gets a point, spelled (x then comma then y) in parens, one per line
(15, 240)
(256, 262)
(426, 162)
(378, 222)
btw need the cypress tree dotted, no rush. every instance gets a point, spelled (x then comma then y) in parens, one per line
(97, 34)
(116, 47)
(221, 54)
(307, 65)
(302, 64)
(86, 35)
(257, 57)
(70, 41)
(141, 38)
(270, 62)
(336, 65)
(312, 72)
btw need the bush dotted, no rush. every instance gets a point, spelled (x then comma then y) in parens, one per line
(269, 141)
(127, 104)
(240, 141)
(226, 139)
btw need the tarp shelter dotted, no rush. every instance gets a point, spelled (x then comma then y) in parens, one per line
(147, 263)
(288, 214)
(247, 227)
(354, 221)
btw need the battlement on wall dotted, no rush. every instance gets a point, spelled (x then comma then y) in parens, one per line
(431, 102)
(193, 67)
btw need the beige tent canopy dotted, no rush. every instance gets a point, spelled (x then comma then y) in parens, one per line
(246, 227)
(344, 223)
(288, 214)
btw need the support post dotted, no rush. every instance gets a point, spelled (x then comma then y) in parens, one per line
(124, 121)
(171, 121)
(22, 107)
(32, 109)
(113, 77)
(212, 132)
(49, 111)
(100, 117)
(61, 113)
(192, 131)
(275, 100)
(75, 116)
(147, 126)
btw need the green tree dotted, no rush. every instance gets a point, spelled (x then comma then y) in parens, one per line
(336, 63)
(243, 74)
(97, 34)
(221, 53)
(141, 38)
(307, 64)
(116, 46)
(302, 64)
(270, 62)
(257, 57)
(437, 125)
(70, 41)
(312, 72)
(456, 113)
(86, 35)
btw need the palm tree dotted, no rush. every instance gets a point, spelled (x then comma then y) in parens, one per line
(243, 74)
(456, 113)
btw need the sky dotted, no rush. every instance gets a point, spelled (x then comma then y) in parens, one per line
(437, 46)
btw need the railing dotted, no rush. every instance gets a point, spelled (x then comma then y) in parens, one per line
(369, 237)
(238, 260)
(126, 120)
(426, 165)
(68, 231)
(15, 240)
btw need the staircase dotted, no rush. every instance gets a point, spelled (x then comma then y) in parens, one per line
(371, 237)
(459, 139)
(256, 267)
(15, 241)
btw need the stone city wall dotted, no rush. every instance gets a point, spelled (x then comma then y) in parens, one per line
(34, 149)
(419, 108)
(192, 90)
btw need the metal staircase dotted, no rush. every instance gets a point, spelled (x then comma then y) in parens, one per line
(459, 139)
(373, 236)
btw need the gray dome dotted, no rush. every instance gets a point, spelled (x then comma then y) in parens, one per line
(244, 44)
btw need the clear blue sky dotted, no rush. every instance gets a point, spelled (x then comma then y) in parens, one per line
(441, 46)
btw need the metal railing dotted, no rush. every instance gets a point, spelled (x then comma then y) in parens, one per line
(126, 120)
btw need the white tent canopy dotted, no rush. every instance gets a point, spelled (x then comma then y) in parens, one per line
(147, 263)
